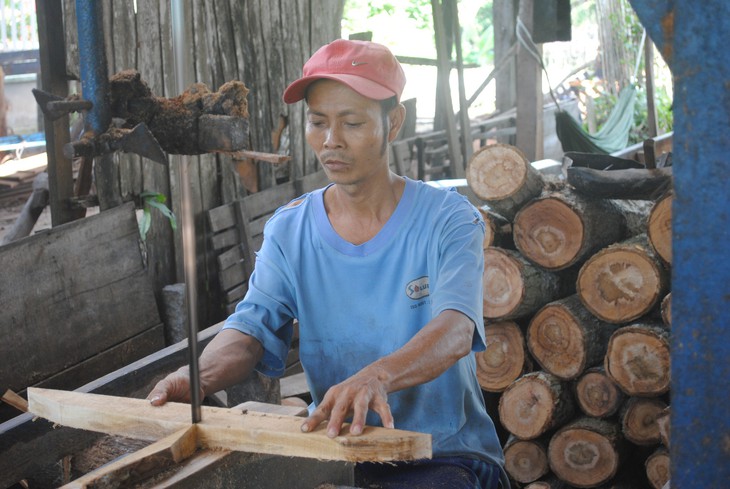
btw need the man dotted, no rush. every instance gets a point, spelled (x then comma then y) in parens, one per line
(383, 274)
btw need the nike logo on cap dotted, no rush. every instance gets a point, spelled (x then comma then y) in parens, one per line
(358, 63)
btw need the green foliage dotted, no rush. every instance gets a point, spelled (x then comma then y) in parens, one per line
(154, 200)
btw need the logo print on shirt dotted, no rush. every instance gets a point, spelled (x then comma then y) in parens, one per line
(417, 288)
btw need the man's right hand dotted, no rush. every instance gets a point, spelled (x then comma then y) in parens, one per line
(173, 388)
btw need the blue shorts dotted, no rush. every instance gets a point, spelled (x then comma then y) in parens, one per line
(440, 472)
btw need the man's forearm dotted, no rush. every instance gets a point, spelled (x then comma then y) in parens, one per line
(228, 359)
(441, 343)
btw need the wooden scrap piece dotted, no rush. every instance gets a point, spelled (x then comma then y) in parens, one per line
(143, 463)
(226, 429)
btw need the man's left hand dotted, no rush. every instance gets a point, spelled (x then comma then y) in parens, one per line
(364, 391)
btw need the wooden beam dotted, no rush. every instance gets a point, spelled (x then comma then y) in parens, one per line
(529, 138)
(143, 463)
(226, 429)
(52, 54)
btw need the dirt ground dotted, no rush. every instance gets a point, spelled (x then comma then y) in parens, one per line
(10, 210)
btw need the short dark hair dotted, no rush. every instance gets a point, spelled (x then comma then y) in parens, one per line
(386, 106)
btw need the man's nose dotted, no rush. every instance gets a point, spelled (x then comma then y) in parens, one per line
(332, 138)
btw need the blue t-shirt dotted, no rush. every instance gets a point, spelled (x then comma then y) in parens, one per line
(358, 303)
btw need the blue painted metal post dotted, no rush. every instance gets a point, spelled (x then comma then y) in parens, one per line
(92, 60)
(694, 37)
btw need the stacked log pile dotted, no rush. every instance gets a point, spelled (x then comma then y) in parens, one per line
(577, 308)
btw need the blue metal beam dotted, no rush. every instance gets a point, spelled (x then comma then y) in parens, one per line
(697, 40)
(92, 61)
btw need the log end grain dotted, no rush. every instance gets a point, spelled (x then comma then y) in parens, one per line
(620, 284)
(496, 171)
(534, 404)
(597, 394)
(549, 233)
(504, 359)
(525, 461)
(586, 453)
(657, 468)
(638, 360)
(504, 288)
(556, 341)
(639, 420)
(659, 227)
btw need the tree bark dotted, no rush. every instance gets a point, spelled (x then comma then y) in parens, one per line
(666, 309)
(657, 468)
(548, 482)
(502, 176)
(535, 404)
(663, 422)
(637, 359)
(513, 287)
(526, 460)
(659, 228)
(505, 358)
(597, 395)
(498, 230)
(587, 452)
(562, 228)
(623, 281)
(639, 420)
(565, 338)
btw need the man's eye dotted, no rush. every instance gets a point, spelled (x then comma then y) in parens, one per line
(316, 123)
(354, 124)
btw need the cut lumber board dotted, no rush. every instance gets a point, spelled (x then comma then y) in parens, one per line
(227, 429)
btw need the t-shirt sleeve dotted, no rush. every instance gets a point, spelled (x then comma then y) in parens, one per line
(266, 312)
(458, 283)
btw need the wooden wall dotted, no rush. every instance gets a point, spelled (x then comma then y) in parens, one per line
(260, 42)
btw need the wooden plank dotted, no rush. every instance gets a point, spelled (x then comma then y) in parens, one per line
(233, 276)
(236, 294)
(294, 385)
(222, 217)
(226, 429)
(143, 463)
(224, 240)
(65, 317)
(230, 257)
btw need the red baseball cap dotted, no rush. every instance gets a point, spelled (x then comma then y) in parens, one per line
(368, 68)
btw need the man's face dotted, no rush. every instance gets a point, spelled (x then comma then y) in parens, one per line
(346, 132)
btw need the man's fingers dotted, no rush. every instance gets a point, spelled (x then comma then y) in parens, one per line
(158, 395)
(382, 407)
(314, 419)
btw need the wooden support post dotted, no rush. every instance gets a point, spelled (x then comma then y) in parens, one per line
(529, 89)
(455, 156)
(52, 55)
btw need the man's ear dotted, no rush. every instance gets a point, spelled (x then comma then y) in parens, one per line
(396, 116)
